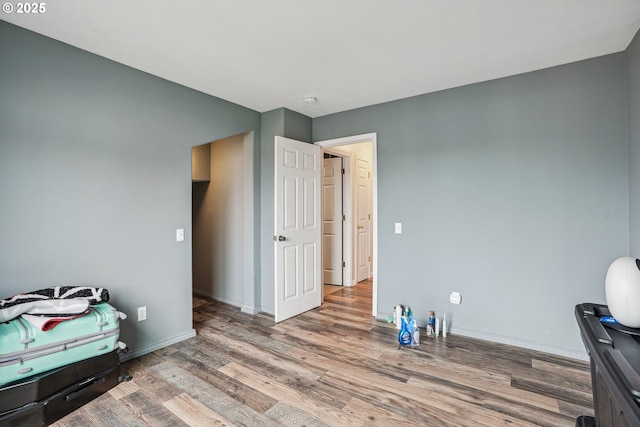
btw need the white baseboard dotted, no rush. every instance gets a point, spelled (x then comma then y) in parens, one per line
(250, 310)
(132, 354)
(558, 351)
(210, 296)
(243, 308)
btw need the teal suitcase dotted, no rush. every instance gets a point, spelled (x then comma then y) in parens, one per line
(26, 350)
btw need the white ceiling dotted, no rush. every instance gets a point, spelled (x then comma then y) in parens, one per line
(266, 54)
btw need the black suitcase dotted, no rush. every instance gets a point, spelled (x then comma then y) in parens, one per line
(43, 385)
(45, 398)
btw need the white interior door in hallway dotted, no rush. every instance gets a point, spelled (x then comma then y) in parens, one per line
(363, 218)
(332, 221)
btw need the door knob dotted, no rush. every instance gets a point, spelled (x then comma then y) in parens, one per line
(360, 227)
(279, 238)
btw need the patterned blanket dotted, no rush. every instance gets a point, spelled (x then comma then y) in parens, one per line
(56, 301)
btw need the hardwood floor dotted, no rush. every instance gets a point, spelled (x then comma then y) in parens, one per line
(330, 289)
(336, 366)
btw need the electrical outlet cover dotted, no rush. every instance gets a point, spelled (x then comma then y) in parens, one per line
(142, 313)
(455, 298)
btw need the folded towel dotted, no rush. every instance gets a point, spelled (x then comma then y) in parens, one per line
(45, 323)
(49, 307)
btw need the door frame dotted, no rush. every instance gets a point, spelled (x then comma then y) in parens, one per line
(355, 139)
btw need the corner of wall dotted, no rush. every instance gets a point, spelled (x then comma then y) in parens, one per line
(297, 126)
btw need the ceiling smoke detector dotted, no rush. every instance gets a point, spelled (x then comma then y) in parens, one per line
(310, 99)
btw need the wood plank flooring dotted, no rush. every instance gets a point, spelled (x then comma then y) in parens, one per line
(330, 289)
(336, 366)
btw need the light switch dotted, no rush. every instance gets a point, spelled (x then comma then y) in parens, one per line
(179, 234)
(398, 228)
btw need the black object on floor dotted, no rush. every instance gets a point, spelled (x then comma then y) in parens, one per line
(585, 421)
(45, 398)
(614, 356)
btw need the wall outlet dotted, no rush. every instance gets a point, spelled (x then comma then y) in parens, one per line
(455, 298)
(142, 313)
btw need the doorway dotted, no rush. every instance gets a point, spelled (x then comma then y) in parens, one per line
(360, 231)
(222, 221)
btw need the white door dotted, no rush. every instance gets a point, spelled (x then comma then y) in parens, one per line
(363, 219)
(332, 221)
(298, 227)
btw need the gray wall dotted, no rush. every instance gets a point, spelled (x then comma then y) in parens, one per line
(512, 192)
(95, 177)
(290, 124)
(633, 120)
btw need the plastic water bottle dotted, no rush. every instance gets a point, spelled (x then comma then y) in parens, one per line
(397, 314)
(415, 334)
(431, 323)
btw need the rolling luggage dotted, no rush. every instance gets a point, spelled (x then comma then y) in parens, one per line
(25, 350)
(44, 398)
(40, 386)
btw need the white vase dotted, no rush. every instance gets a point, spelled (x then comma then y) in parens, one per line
(622, 291)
